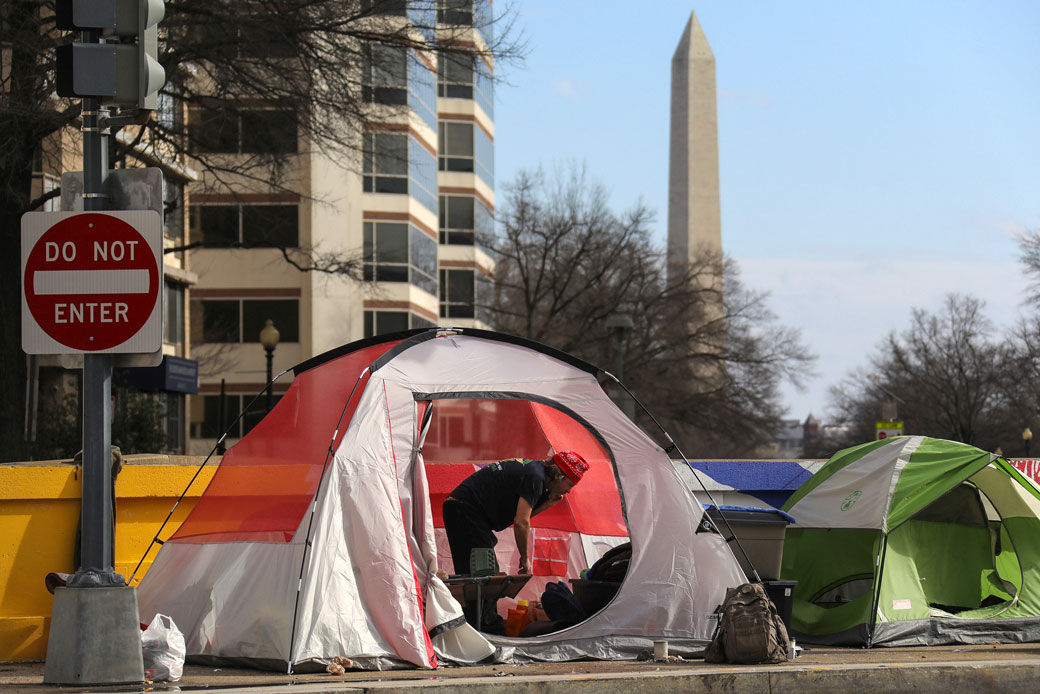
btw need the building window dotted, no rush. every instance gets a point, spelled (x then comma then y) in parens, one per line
(212, 415)
(457, 294)
(284, 313)
(385, 76)
(386, 252)
(457, 220)
(455, 144)
(174, 310)
(391, 8)
(422, 254)
(241, 320)
(268, 131)
(254, 34)
(173, 210)
(248, 226)
(457, 12)
(463, 220)
(265, 36)
(220, 321)
(455, 76)
(50, 183)
(383, 322)
(166, 111)
(243, 131)
(395, 252)
(385, 163)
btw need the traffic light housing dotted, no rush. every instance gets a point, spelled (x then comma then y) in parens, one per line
(123, 69)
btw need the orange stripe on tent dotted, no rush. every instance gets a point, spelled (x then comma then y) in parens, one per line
(266, 481)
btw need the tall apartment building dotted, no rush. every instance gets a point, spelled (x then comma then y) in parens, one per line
(409, 209)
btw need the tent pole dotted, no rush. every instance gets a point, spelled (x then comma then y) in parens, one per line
(156, 540)
(879, 571)
(314, 506)
(673, 446)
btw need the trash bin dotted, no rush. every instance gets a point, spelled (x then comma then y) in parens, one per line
(760, 532)
(782, 595)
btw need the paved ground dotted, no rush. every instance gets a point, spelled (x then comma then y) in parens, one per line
(942, 670)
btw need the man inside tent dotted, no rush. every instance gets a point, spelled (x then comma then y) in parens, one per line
(506, 493)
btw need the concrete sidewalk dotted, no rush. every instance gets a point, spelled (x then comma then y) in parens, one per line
(925, 670)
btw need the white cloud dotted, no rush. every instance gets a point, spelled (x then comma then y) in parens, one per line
(570, 89)
(844, 308)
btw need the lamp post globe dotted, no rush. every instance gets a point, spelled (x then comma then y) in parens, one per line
(1027, 436)
(269, 340)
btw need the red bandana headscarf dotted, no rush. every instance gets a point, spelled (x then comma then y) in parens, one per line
(572, 464)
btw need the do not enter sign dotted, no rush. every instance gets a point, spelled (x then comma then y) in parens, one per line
(91, 282)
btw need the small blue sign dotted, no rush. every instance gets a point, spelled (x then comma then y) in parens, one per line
(173, 375)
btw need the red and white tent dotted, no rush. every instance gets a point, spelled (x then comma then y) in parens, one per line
(320, 534)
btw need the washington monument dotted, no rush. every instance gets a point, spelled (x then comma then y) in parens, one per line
(694, 218)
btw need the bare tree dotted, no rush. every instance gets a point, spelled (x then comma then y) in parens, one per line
(1029, 256)
(1022, 378)
(1023, 369)
(949, 373)
(250, 84)
(704, 356)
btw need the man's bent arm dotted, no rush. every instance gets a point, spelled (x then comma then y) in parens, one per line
(549, 503)
(522, 534)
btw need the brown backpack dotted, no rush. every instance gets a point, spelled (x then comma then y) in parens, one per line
(749, 629)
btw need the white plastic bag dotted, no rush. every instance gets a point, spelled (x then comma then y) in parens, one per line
(162, 645)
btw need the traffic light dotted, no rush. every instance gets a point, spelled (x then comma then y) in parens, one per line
(121, 70)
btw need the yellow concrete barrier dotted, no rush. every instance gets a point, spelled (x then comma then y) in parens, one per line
(39, 513)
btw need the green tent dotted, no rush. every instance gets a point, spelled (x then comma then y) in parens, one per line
(915, 541)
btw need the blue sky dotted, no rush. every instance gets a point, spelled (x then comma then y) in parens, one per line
(873, 156)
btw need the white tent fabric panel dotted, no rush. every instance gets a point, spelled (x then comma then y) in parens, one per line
(419, 516)
(361, 558)
(461, 642)
(662, 519)
(243, 605)
(446, 363)
(868, 485)
(412, 487)
(1009, 498)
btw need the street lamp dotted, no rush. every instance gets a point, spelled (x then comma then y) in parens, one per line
(1027, 436)
(269, 339)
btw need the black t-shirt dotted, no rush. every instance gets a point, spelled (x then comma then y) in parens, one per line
(497, 488)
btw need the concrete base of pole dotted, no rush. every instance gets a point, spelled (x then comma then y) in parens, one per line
(95, 637)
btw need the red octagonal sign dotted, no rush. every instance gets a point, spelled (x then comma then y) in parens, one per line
(91, 282)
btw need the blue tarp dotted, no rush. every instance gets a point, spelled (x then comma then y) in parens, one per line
(771, 481)
(786, 516)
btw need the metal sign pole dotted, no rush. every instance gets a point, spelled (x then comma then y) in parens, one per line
(94, 633)
(96, 549)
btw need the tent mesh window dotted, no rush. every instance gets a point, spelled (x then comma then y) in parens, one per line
(467, 433)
